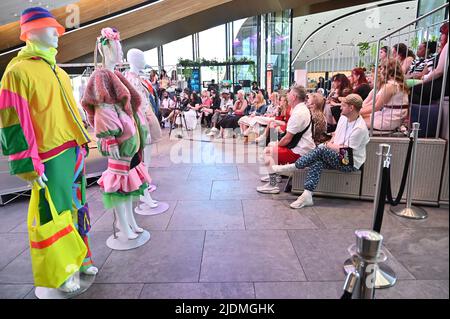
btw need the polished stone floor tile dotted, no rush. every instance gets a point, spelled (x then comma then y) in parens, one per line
(323, 252)
(347, 215)
(275, 214)
(415, 289)
(13, 214)
(14, 291)
(423, 251)
(251, 172)
(12, 245)
(112, 291)
(18, 271)
(167, 175)
(236, 190)
(299, 290)
(249, 256)
(168, 257)
(198, 291)
(207, 215)
(215, 173)
(185, 190)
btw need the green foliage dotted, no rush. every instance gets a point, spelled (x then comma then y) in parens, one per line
(363, 47)
(414, 43)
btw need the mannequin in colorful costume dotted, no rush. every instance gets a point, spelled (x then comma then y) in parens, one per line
(41, 129)
(114, 109)
(137, 64)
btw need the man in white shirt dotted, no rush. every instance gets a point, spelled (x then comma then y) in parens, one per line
(351, 133)
(297, 142)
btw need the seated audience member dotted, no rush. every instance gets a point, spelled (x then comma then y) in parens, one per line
(182, 104)
(359, 82)
(272, 108)
(433, 81)
(340, 87)
(166, 106)
(257, 108)
(226, 104)
(205, 105)
(231, 120)
(278, 123)
(215, 105)
(189, 112)
(296, 142)
(405, 56)
(391, 101)
(345, 152)
(384, 53)
(316, 103)
(263, 120)
(424, 62)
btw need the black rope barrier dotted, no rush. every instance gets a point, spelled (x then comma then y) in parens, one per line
(381, 200)
(346, 295)
(390, 200)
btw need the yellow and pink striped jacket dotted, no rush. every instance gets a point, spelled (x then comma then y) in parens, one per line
(38, 115)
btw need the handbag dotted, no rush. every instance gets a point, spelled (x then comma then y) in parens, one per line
(346, 156)
(57, 250)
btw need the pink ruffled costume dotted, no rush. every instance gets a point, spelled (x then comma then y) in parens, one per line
(114, 109)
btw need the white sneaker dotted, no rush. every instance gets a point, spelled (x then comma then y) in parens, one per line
(268, 189)
(287, 169)
(267, 179)
(211, 133)
(214, 129)
(304, 200)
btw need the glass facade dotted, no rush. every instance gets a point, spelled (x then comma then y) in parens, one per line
(245, 45)
(265, 39)
(278, 29)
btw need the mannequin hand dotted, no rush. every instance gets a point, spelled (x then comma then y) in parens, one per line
(40, 180)
(114, 151)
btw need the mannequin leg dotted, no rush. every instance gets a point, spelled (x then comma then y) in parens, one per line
(147, 155)
(121, 210)
(147, 199)
(130, 217)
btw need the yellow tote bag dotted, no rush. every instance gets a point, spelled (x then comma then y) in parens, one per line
(57, 250)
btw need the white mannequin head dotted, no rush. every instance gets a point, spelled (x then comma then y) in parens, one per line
(136, 59)
(45, 37)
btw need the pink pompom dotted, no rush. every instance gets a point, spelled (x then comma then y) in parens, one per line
(110, 34)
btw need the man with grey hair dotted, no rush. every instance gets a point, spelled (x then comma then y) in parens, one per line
(295, 143)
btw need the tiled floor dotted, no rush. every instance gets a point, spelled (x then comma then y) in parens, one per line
(222, 239)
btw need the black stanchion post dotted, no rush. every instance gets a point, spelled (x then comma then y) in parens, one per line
(385, 276)
(409, 211)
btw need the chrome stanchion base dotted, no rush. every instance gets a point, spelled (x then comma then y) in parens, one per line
(385, 276)
(412, 212)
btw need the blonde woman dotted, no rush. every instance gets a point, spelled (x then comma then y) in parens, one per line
(278, 123)
(257, 108)
(391, 101)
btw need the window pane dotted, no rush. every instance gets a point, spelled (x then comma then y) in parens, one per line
(212, 43)
(181, 48)
(151, 58)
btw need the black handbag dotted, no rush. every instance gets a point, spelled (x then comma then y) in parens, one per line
(346, 156)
